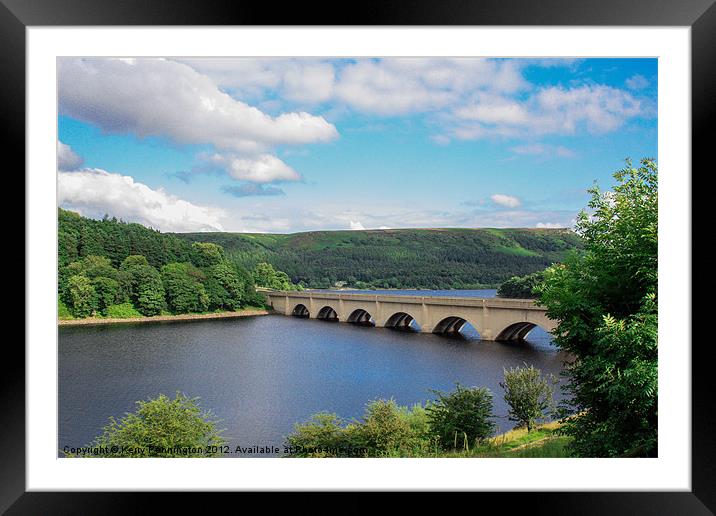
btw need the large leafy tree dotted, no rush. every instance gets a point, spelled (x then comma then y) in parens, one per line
(183, 288)
(82, 295)
(205, 254)
(91, 267)
(224, 287)
(144, 285)
(264, 275)
(605, 300)
(108, 292)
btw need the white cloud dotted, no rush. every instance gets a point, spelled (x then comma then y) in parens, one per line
(95, 192)
(539, 149)
(395, 86)
(264, 168)
(311, 84)
(67, 159)
(553, 110)
(382, 86)
(158, 97)
(549, 225)
(637, 82)
(507, 201)
(440, 139)
(356, 225)
(302, 80)
(494, 110)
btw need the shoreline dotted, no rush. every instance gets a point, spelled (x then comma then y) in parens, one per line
(92, 321)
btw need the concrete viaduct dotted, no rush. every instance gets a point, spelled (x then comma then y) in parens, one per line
(494, 318)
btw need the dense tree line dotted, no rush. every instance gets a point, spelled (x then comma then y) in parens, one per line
(206, 281)
(450, 258)
(80, 237)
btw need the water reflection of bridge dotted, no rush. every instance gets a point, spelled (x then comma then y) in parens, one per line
(493, 318)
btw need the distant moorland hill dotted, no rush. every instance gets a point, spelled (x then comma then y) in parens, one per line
(399, 258)
(388, 258)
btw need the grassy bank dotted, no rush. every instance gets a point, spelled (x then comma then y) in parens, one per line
(246, 312)
(543, 441)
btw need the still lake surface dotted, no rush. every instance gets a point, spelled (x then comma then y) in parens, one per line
(262, 374)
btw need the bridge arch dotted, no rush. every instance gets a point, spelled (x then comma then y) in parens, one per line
(402, 321)
(300, 310)
(361, 317)
(327, 313)
(452, 325)
(518, 331)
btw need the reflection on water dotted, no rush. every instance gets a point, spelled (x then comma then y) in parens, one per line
(260, 375)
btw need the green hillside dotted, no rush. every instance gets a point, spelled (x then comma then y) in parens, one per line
(399, 258)
(390, 258)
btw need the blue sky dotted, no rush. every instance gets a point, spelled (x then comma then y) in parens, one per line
(286, 145)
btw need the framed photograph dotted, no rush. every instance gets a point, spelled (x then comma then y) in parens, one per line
(492, 203)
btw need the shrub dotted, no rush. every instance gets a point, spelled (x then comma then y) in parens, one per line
(521, 287)
(160, 427)
(465, 413)
(324, 435)
(122, 311)
(528, 394)
(62, 311)
(384, 429)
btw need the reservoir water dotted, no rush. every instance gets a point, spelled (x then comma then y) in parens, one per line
(262, 374)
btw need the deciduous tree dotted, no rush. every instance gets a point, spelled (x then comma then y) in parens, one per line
(528, 394)
(605, 302)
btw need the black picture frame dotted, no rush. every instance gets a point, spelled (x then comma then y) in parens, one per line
(700, 15)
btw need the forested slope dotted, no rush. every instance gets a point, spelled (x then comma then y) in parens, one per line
(399, 258)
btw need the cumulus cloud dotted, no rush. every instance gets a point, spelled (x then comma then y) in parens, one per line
(494, 110)
(380, 86)
(95, 192)
(302, 80)
(159, 97)
(395, 86)
(67, 159)
(549, 225)
(264, 168)
(597, 109)
(309, 84)
(507, 201)
(250, 190)
(356, 225)
(637, 82)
